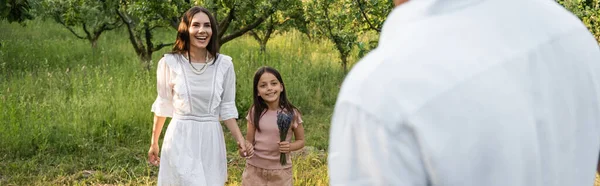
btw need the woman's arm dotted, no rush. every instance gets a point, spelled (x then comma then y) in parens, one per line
(159, 121)
(251, 130)
(231, 124)
(162, 107)
(153, 158)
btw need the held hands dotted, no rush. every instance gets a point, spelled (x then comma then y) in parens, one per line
(246, 149)
(153, 155)
(284, 147)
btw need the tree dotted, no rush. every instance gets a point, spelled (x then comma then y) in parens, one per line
(92, 17)
(333, 19)
(373, 13)
(142, 17)
(15, 11)
(237, 17)
(281, 21)
(234, 17)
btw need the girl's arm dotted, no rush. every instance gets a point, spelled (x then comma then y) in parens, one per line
(299, 139)
(285, 147)
(250, 133)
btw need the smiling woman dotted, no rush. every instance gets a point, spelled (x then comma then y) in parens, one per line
(196, 87)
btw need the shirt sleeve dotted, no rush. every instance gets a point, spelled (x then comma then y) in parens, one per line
(163, 105)
(228, 109)
(297, 119)
(365, 150)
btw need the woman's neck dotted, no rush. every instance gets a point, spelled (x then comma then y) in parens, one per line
(198, 56)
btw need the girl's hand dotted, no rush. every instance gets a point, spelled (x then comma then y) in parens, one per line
(249, 150)
(284, 147)
(153, 155)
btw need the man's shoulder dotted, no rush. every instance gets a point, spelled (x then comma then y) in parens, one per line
(361, 75)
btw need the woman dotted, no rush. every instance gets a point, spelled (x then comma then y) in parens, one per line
(196, 87)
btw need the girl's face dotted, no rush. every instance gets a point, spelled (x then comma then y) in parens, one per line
(200, 31)
(269, 88)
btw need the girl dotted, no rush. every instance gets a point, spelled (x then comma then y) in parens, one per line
(264, 167)
(196, 87)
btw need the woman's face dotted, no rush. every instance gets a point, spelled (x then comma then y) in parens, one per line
(200, 31)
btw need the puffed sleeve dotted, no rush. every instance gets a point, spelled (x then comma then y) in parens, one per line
(228, 109)
(163, 105)
(297, 119)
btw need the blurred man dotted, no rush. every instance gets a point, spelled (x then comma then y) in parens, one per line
(471, 92)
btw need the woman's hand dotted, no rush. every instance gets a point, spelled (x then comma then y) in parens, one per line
(153, 155)
(242, 148)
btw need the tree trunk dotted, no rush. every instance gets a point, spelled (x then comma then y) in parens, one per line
(263, 47)
(146, 60)
(344, 58)
(94, 43)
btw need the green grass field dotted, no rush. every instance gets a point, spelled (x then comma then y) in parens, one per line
(72, 115)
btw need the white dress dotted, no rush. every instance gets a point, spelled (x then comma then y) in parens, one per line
(193, 150)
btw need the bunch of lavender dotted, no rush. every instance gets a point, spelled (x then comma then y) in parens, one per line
(284, 120)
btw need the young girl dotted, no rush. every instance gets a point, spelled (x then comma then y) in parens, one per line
(196, 87)
(264, 167)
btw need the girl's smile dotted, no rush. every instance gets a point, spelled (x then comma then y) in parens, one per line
(269, 88)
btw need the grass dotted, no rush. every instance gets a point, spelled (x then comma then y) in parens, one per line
(77, 116)
(71, 115)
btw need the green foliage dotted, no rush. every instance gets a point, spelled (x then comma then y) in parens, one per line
(72, 118)
(372, 13)
(334, 20)
(286, 19)
(90, 16)
(15, 10)
(154, 14)
(237, 17)
(142, 18)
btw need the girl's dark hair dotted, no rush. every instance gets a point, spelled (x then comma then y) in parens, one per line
(259, 105)
(182, 43)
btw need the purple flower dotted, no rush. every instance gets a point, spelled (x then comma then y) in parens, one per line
(284, 121)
